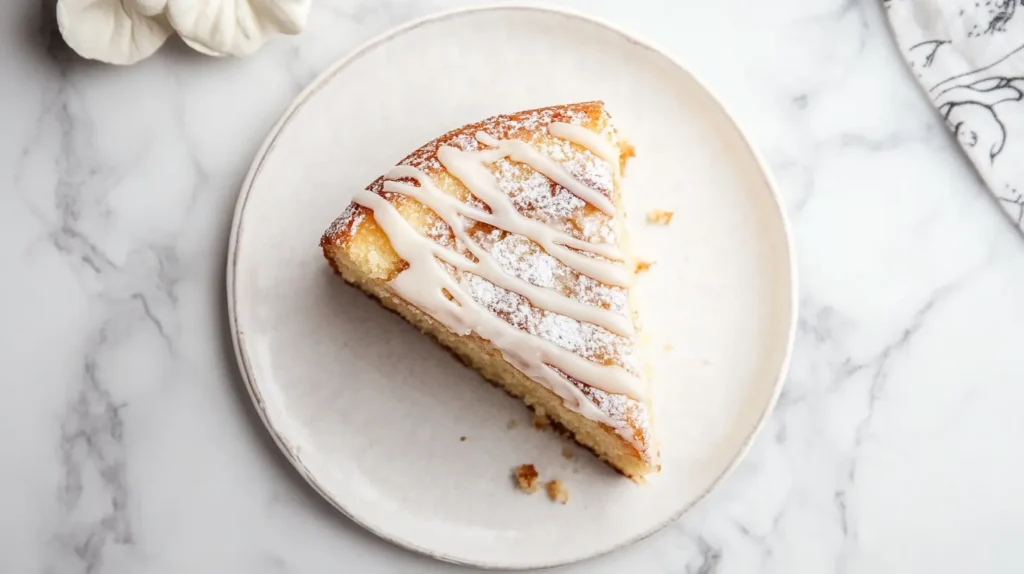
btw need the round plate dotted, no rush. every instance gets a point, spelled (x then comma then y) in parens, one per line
(372, 412)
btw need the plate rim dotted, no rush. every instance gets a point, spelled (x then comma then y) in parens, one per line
(238, 338)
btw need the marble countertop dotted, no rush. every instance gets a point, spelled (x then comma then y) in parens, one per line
(131, 446)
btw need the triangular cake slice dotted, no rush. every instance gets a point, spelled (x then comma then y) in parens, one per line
(505, 240)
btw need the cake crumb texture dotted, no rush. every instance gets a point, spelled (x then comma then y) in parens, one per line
(659, 217)
(557, 492)
(526, 478)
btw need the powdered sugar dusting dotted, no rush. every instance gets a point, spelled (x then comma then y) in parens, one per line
(584, 339)
(345, 225)
(521, 257)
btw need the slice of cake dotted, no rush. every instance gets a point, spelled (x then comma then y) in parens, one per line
(505, 240)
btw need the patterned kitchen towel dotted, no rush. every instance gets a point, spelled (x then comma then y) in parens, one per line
(968, 55)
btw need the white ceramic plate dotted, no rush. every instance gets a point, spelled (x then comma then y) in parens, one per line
(371, 412)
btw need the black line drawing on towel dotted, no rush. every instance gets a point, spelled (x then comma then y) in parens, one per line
(1013, 203)
(994, 66)
(970, 60)
(971, 101)
(934, 46)
(970, 111)
(1000, 12)
(992, 15)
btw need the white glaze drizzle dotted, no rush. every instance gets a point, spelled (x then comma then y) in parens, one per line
(449, 209)
(522, 152)
(505, 215)
(422, 284)
(425, 281)
(591, 140)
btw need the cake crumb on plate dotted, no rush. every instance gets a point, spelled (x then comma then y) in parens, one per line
(526, 478)
(512, 423)
(557, 492)
(567, 453)
(642, 266)
(659, 216)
